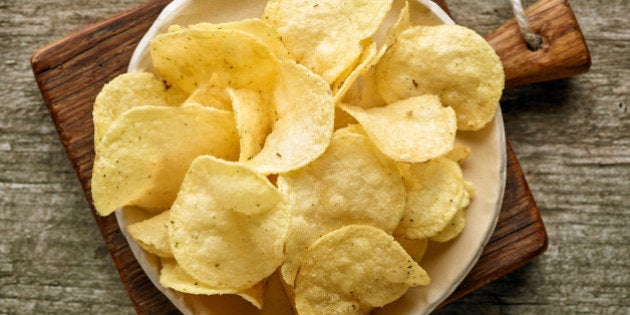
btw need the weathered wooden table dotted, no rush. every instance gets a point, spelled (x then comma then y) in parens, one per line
(572, 138)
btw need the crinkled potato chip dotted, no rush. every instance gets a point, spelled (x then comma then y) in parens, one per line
(174, 277)
(189, 58)
(415, 248)
(353, 269)
(305, 115)
(126, 91)
(436, 190)
(253, 120)
(260, 29)
(351, 183)
(326, 35)
(152, 234)
(450, 61)
(453, 229)
(228, 225)
(146, 152)
(412, 130)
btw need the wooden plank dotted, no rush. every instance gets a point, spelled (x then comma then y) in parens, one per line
(70, 72)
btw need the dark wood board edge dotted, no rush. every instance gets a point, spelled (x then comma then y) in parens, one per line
(71, 71)
(520, 229)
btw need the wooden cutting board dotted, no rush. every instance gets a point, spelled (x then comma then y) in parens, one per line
(70, 73)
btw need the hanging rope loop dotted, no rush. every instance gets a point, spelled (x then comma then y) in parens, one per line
(534, 41)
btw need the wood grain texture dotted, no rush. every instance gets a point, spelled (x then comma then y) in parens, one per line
(568, 135)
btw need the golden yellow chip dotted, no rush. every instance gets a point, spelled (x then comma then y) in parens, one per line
(253, 117)
(260, 29)
(412, 130)
(146, 152)
(189, 58)
(435, 191)
(126, 91)
(361, 79)
(174, 277)
(305, 113)
(415, 248)
(326, 35)
(367, 60)
(353, 269)
(152, 234)
(212, 94)
(450, 61)
(228, 225)
(459, 154)
(453, 229)
(351, 183)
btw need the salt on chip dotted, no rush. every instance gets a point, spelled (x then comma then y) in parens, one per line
(305, 113)
(326, 35)
(228, 225)
(436, 190)
(411, 130)
(353, 269)
(152, 234)
(146, 152)
(260, 29)
(189, 58)
(351, 183)
(174, 277)
(126, 91)
(253, 120)
(450, 61)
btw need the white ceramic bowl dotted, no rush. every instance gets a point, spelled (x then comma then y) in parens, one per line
(447, 264)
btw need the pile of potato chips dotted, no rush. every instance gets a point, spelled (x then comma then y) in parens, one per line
(297, 148)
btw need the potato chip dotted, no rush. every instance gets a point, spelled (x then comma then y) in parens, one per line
(253, 117)
(260, 29)
(436, 190)
(174, 277)
(326, 35)
(126, 91)
(412, 130)
(304, 112)
(351, 183)
(146, 152)
(415, 248)
(189, 58)
(459, 153)
(152, 234)
(341, 87)
(228, 225)
(450, 61)
(353, 269)
(362, 77)
(453, 229)
(212, 94)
